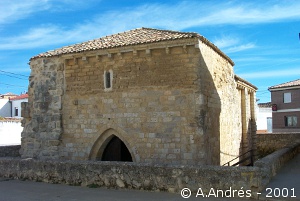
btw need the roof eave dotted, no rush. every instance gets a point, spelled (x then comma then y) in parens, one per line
(244, 82)
(283, 88)
(113, 48)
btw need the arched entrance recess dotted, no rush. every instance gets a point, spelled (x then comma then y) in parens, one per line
(116, 150)
(111, 146)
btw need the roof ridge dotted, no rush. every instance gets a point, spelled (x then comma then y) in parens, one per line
(285, 84)
(172, 31)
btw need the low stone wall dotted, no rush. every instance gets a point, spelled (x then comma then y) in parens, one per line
(133, 176)
(268, 143)
(272, 163)
(170, 178)
(10, 151)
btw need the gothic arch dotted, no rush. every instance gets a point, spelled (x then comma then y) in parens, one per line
(104, 139)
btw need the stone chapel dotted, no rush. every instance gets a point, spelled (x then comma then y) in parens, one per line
(144, 96)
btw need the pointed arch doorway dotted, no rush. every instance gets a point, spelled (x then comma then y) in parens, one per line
(116, 150)
(112, 146)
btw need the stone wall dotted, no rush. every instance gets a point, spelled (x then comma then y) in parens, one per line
(268, 143)
(218, 104)
(171, 178)
(171, 102)
(42, 114)
(133, 176)
(150, 106)
(10, 151)
(272, 163)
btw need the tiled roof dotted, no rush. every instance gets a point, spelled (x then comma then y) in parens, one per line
(287, 84)
(22, 96)
(132, 37)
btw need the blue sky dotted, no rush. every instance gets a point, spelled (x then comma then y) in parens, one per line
(261, 37)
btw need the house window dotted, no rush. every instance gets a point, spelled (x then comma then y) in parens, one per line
(108, 80)
(287, 97)
(290, 121)
(16, 111)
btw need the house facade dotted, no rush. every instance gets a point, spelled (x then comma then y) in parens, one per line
(264, 118)
(5, 108)
(145, 95)
(16, 105)
(8, 95)
(286, 106)
(5, 104)
(10, 104)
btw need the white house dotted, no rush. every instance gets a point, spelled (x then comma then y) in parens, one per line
(16, 105)
(11, 129)
(5, 108)
(5, 104)
(264, 118)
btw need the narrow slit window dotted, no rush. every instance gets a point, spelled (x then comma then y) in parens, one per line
(107, 78)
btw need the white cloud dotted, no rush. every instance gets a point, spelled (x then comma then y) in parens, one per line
(240, 48)
(251, 59)
(271, 73)
(236, 12)
(33, 38)
(207, 13)
(226, 41)
(230, 44)
(11, 11)
(14, 10)
(178, 16)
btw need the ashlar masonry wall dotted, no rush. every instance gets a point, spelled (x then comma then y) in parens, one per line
(170, 102)
(151, 106)
(43, 113)
(220, 104)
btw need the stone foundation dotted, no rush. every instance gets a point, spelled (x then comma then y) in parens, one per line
(10, 151)
(171, 178)
(132, 175)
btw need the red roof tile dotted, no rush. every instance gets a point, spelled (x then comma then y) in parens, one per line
(22, 96)
(132, 37)
(286, 84)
